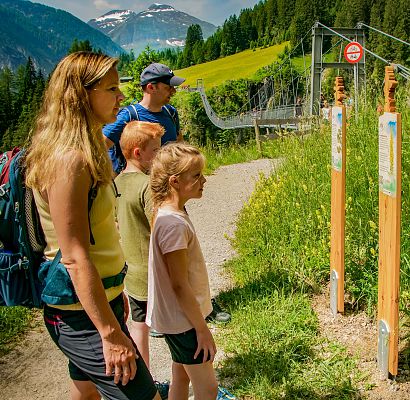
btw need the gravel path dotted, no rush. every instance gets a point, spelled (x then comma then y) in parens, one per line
(37, 370)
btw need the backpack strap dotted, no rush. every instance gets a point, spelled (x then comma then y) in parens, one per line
(172, 113)
(92, 194)
(133, 112)
(134, 116)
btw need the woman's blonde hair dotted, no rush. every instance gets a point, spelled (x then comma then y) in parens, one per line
(138, 134)
(172, 159)
(65, 122)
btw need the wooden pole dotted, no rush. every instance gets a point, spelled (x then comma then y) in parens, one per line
(389, 227)
(338, 195)
(257, 137)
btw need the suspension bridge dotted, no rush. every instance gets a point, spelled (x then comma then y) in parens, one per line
(280, 103)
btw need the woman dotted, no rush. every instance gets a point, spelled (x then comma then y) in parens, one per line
(65, 163)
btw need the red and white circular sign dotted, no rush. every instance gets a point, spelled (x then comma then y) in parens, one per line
(353, 52)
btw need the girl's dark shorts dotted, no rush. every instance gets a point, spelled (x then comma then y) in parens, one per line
(138, 309)
(76, 336)
(183, 347)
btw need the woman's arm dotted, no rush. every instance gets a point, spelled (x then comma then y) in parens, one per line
(177, 262)
(68, 201)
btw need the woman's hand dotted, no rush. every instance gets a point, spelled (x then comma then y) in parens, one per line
(206, 343)
(120, 355)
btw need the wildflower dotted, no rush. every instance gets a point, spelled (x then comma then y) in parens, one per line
(372, 224)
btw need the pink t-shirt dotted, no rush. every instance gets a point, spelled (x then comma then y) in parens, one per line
(173, 230)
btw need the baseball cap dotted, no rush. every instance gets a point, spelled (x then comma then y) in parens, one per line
(157, 72)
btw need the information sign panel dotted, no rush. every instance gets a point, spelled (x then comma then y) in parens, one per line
(388, 154)
(337, 144)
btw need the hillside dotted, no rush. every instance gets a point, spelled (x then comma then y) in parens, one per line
(240, 65)
(43, 33)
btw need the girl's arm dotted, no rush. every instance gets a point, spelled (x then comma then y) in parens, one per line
(68, 201)
(177, 262)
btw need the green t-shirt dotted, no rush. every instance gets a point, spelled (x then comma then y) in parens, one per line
(134, 210)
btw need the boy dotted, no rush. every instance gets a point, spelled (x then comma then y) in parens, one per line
(139, 143)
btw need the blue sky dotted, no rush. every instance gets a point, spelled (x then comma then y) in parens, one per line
(214, 11)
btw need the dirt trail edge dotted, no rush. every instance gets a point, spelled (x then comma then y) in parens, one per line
(36, 369)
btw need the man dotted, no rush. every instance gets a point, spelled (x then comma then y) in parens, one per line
(158, 84)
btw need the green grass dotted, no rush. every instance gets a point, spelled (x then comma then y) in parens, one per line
(240, 65)
(274, 349)
(273, 344)
(216, 157)
(13, 323)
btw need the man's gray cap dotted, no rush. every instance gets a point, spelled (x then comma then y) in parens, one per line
(157, 72)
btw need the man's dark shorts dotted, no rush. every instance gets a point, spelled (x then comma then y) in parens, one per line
(76, 336)
(183, 347)
(138, 309)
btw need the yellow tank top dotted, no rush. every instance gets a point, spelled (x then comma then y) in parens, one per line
(106, 254)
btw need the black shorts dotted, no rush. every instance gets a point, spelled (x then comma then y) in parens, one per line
(76, 336)
(183, 347)
(138, 309)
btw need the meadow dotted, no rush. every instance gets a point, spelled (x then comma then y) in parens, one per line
(237, 66)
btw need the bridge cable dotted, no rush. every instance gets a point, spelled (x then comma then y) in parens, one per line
(360, 24)
(405, 71)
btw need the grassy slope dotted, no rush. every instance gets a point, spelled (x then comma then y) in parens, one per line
(273, 343)
(241, 65)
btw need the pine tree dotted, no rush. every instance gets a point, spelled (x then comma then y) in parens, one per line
(145, 58)
(391, 20)
(82, 45)
(6, 101)
(194, 39)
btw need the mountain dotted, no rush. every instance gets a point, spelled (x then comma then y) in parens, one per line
(160, 26)
(107, 22)
(43, 33)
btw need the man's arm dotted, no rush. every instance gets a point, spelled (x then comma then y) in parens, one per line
(180, 137)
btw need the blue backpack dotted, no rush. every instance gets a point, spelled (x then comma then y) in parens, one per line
(27, 278)
(21, 236)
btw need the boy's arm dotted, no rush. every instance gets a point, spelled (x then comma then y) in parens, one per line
(177, 262)
(148, 205)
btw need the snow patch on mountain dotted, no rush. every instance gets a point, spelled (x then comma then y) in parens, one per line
(116, 15)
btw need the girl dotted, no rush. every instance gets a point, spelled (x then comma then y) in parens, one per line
(178, 289)
(65, 163)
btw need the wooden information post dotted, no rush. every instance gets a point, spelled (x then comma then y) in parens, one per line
(338, 194)
(389, 229)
